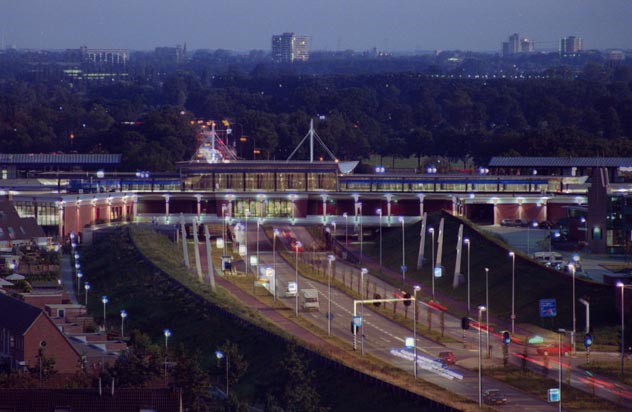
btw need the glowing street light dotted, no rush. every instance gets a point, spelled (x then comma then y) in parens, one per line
(401, 219)
(416, 289)
(167, 334)
(346, 216)
(220, 355)
(481, 309)
(467, 242)
(123, 316)
(432, 275)
(331, 259)
(104, 300)
(275, 234)
(298, 245)
(363, 272)
(379, 213)
(572, 268)
(623, 287)
(86, 286)
(513, 292)
(79, 276)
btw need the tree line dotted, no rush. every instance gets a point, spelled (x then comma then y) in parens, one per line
(385, 114)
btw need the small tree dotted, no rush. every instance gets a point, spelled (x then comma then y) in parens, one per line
(139, 364)
(191, 378)
(237, 365)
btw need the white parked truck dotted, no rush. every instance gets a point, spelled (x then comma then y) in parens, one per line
(310, 300)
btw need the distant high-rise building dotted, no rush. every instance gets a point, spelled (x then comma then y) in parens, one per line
(113, 57)
(512, 46)
(287, 48)
(571, 45)
(526, 46)
(175, 55)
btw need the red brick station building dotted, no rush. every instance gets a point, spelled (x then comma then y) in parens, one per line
(70, 192)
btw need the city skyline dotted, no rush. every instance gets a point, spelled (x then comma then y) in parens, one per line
(242, 25)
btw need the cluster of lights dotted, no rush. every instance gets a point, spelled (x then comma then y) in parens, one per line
(431, 169)
(483, 171)
(380, 169)
(142, 174)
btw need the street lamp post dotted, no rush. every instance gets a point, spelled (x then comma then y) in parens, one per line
(219, 355)
(246, 238)
(123, 316)
(379, 213)
(331, 259)
(432, 275)
(622, 286)
(79, 276)
(104, 300)
(275, 233)
(489, 352)
(346, 216)
(401, 219)
(416, 289)
(333, 238)
(86, 286)
(573, 270)
(167, 334)
(258, 225)
(513, 292)
(559, 361)
(481, 309)
(529, 226)
(363, 272)
(587, 305)
(298, 245)
(467, 242)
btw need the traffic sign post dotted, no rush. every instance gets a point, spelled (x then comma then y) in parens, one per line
(356, 321)
(548, 308)
(554, 395)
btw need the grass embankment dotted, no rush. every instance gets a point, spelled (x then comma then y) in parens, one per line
(116, 268)
(532, 281)
(535, 384)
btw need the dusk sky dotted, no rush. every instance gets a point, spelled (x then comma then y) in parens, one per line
(391, 25)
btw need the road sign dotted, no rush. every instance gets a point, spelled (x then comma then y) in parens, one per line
(403, 268)
(554, 395)
(548, 308)
(438, 271)
(357, 321)
(409, 343)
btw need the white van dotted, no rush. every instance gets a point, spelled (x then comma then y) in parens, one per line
(310, 300)
(549, 258)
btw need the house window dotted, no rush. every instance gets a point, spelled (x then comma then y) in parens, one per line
(61, 313)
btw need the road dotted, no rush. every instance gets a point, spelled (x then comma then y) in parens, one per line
(383, 338)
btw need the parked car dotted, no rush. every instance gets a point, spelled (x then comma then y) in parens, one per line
(545, 224)
(506, 222)
(494, 397)
(448, 357)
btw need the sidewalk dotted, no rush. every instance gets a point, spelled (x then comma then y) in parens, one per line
(67, 278)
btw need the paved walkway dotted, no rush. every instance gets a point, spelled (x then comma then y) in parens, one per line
(67, 277)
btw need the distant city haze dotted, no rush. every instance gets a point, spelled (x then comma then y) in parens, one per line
(389, 25)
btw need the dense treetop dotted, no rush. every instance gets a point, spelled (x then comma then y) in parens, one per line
(402, 114)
